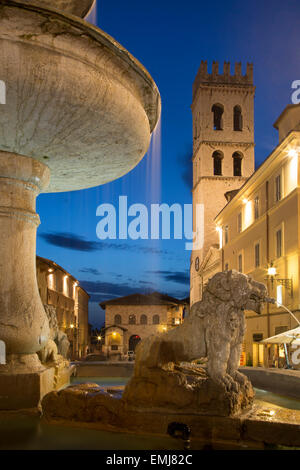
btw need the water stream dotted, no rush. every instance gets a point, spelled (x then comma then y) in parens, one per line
(291, 313)
(92, 17)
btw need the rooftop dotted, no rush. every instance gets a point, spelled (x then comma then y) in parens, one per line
(155, 298)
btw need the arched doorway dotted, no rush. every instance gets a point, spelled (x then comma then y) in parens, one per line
(133, 342)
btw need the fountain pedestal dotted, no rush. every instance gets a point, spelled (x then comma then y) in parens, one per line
(188, 389)
(24, 325)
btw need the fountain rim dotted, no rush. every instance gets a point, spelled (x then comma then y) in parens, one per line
(103, 38)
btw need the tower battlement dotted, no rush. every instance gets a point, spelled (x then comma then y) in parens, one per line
(225, 78)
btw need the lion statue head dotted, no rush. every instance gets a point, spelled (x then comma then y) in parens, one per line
(239, 288)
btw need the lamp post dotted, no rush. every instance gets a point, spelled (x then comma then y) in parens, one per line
(286, 282)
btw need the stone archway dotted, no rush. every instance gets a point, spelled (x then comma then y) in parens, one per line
(133, 342)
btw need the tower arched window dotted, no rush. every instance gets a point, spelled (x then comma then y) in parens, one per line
(118, 319)
(237, 119)
(218, 111)
(237, 164)
(217, 158)
(132, 319)
(144, 320)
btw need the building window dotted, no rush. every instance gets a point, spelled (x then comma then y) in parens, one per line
(217, 157)
(257, 337)
(240, 222)
(144, 320)
(226, 234)
(257, 255)
(155, 319)
(278, 243)
(256, 207)
(132, 319)
(217, 111)
(240, 263)
(237, 164)
(237, 119)
(118, 319)
(280, 329)
(278, 188)
(114, 347)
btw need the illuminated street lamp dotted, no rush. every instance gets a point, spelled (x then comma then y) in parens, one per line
(272, 271)
(286, 282)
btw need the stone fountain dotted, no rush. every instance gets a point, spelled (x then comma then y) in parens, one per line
(169, 391)
(79, 112)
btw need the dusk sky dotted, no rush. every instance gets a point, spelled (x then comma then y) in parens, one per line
(170, 38)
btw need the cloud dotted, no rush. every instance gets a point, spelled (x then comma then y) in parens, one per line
(93, 271)
(69, 241)
(75, 242)
(185, 161)
(175, 276)
(100, 291)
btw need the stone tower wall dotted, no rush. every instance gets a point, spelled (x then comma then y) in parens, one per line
(227, 90)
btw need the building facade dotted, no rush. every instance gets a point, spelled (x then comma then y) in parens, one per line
(223, 149)
(259, 234)
(130, 319)
(59, 288)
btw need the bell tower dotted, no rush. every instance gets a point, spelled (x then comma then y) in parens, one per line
(223, 148)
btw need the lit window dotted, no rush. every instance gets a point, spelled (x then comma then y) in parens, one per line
(279, 243)
(257, 255)
(278, 188)
(226, 234)
(256, 207)
(240, 222)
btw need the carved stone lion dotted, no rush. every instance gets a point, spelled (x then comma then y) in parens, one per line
(58, 343)
(214, 330)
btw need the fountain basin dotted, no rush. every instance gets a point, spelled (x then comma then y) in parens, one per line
(76, 99)
(91, 405)
(75, 7)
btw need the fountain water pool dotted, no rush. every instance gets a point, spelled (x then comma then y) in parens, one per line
(27, 432)
(261, 395)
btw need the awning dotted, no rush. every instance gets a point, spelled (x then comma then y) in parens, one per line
(287, 337)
